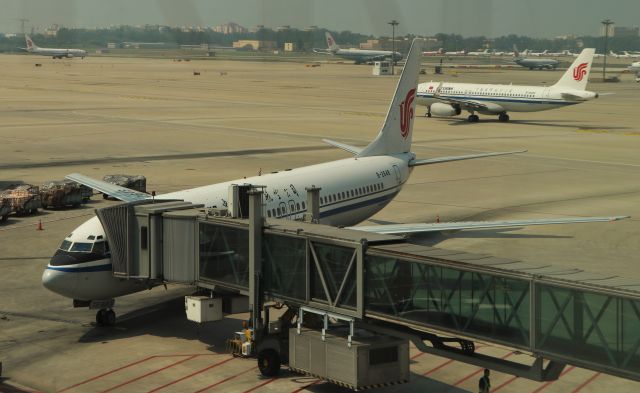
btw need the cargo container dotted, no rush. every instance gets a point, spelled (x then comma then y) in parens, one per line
(133, 182)
(23, 199)
(57, 194)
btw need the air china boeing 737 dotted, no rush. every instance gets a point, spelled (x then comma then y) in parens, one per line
(353, 190)
(450, 99)
(56, 53)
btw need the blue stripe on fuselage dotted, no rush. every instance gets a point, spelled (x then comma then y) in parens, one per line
(81, 269)
(500, 99)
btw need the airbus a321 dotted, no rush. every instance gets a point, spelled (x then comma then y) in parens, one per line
(353, 189)
(56, 53)
(450, 99)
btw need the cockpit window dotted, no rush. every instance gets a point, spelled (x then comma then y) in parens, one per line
(65, 245)
(81, 247)
(98, 248)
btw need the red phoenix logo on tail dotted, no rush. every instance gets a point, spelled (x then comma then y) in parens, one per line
(406, 113)
(580, 71)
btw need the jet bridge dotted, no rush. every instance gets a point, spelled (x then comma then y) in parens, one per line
(557, 314)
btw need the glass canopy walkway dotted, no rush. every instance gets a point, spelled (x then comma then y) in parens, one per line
(564, 315)
(559, 313)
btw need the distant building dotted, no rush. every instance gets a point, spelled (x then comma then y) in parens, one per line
(283, 28)
(52, 31)
(370, 45)
(289, 46)
(230, 28)
(311, 28)
(604, 28)
(254, 44)
(256, 29)
(623, 31)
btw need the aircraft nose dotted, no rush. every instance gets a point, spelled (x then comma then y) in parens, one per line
(60, 282)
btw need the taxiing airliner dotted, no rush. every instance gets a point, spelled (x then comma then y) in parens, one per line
(360, 56)
(352, 190)
(450, 99)
(56, 53)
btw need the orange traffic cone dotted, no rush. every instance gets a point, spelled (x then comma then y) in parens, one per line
(39, 226)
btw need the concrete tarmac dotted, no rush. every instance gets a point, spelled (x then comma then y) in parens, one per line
(101, 116)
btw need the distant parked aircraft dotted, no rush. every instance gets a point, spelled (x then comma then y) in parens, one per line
(56, 53)
(635, 67)
(358, 55)
(532, 64)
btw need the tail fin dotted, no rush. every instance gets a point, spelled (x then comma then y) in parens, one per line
(516, 52)
(577, 75)
(331, 43)
(30, 44)
(395, 135)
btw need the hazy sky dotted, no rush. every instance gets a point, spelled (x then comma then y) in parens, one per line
(539, 18)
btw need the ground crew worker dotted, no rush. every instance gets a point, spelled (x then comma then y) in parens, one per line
(484, 384)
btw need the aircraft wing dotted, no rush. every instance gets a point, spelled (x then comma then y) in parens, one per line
(392, 229)
(439, 160)
(118, 192)
(344, 146)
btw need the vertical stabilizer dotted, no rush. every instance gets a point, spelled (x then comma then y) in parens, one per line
(331, 43)
(577, 75)
(395, 135)
(30, 44)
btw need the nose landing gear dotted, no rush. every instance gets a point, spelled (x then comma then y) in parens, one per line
(105, 317)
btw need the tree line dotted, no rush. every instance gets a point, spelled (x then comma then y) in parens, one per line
(304, 40)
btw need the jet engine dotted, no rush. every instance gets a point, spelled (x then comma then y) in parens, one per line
(442, 109)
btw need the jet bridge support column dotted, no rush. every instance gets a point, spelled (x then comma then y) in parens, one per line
(313, 204)
(255, 258)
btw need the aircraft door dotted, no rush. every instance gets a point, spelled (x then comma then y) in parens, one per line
(283, 209)
(292, 208)
(397, 172)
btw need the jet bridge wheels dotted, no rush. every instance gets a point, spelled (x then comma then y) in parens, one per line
(269, 362)
(473, 118)
(503, 117)
(105, 317)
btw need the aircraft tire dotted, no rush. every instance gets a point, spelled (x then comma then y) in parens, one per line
(269, 362)
(100, 317)
(473, 118)
(503, 117)
(109, 318)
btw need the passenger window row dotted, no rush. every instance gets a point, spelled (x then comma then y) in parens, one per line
(280, 211)
(331, 198)
(353, 193)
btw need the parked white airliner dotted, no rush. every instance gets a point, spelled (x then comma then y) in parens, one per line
(450, 99)
(353, 190)
(56, 53)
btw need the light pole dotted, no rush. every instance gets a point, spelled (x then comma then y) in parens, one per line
(606, 23)
(393, 24)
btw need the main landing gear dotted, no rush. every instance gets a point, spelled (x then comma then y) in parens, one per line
(473, 118)
(105, 317)
(503, 117)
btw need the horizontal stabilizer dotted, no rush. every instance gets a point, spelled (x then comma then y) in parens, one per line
(392, 229)
(115, 191)
(343, 146)
(460, 158)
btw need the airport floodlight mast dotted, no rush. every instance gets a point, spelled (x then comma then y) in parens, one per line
(393, 24)
(606, 23)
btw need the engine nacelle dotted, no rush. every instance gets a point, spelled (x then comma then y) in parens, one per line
(442, 109)
(69, 56)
